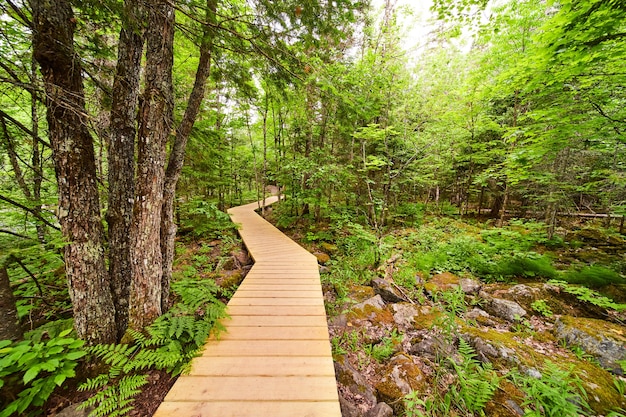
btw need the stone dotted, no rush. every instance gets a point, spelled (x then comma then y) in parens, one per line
(352, 380)
(360, 293)
(603, 340)
(375, 302)
(432, 347)
(404, 315)
(387, 291)
(73, 411)
(505, 309)
(380, 410)
(348, 409)
(400, 377)
(322, 258)
(441, 282)
(470, 286)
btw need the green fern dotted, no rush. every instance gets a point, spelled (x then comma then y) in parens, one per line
(477, 383)
(116, 399)
(168, 344)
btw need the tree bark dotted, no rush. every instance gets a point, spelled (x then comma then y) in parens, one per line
(10, 328)
(75, 168)
(155, 125)
(121, 159)
(177, 155)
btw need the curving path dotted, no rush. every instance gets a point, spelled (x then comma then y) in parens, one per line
(274, 359)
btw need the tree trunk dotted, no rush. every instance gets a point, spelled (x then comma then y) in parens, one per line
(121, 159)
(155, 126)
(10, 328)
(75, 168)
(177, 155)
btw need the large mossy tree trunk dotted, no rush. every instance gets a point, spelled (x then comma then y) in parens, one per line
(177, 155)
(121, 158)
(10, 328)
(155, 127)
(75, 168)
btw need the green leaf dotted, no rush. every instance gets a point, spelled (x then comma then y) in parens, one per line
(59, 379)
(31, 374)
(72, 356)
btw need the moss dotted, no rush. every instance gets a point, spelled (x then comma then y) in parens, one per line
(499, 406)
(377, 316)
(427, 318)
(441, 282)
(360, 293)
(598, 383)
(596, 328)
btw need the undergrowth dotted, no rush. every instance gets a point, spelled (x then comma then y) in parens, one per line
(168, 344)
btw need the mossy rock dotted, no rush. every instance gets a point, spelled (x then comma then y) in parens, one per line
(329, 247)
(603, 340)
(442, 282)
(400, 377)
(360, 293)
(508, 349)
(231, 279)
(428, 317)
(373, 317)
(506, 401)
(322, 258)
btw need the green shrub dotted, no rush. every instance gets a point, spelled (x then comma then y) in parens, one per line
(558, 393)
(593, 276)
(169, 343)
(203, 218)
(35, 367)
(526, 265)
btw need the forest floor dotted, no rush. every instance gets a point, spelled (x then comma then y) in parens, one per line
(223, 260)
(400, 302)
(457, 317)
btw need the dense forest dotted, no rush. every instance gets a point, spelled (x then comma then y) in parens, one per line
(490, 144)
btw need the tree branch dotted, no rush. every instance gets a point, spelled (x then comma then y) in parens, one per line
(609, 37)
(600, 110)
(31, 211)
(23, 128)
(8, 232)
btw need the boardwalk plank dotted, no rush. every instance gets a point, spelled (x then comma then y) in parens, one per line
(243, 300)
(275, 333)
(247, 409)
(265, 310)
(269, 366)
(274, 360)
(267, 348)
(254, 388)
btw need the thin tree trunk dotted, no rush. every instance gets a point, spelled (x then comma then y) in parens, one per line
(10, 328)
(121, 159)
(75, 167)
(155, 127)
(177, 155)
(505, 204)
(36, 159)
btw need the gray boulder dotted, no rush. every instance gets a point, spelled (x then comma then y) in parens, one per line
(380, 410)
(387, 291)
(505, 309)
(603, 340)
(353, 381)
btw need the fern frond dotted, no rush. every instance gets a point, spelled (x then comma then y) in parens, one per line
(93, 383)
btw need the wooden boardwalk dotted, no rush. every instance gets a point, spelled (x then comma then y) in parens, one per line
(275, 358)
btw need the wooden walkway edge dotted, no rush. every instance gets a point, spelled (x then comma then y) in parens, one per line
(275, 358)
